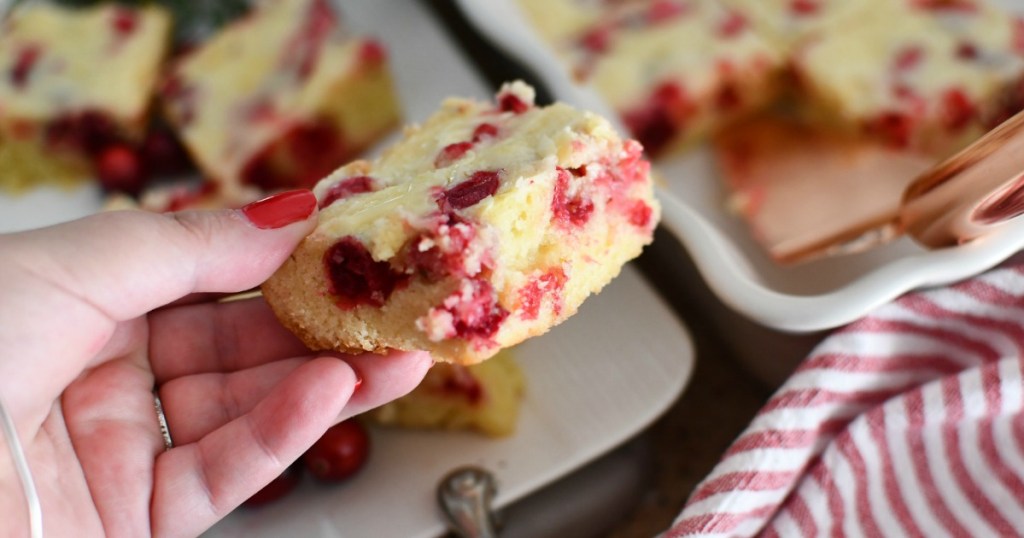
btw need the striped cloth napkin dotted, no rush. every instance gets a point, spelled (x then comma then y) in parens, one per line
(909, 422)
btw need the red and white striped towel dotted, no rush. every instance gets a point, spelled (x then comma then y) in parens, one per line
(909, 422)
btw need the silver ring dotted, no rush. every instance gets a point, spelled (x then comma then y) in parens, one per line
(161, 419)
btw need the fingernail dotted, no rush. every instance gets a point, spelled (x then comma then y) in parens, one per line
(281, 209)
(358, 383)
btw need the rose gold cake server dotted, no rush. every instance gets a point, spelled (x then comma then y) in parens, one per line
(808, 193)
(971, 193)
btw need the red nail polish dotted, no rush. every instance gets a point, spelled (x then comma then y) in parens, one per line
(281, 209)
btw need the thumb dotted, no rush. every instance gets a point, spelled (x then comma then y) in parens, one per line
(126, 263)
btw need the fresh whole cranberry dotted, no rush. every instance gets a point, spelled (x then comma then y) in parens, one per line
(339, 453)
(277, 488)
(119, 169)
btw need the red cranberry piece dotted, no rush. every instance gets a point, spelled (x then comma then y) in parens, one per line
(279, 487)
(914, 103)
(97, 131)
(651, 127)
(186, 198)
(435, 262)
(968, 6)
(163, 153)
(903, 91)
(908, 58)
(460, 382)
(967, 51)
(303, 50)
(728, 97)
(260, 111)
(27, 58)
(355, 278)
(566, 210)
(371, 52)
(451, 153)
(261, 172)
(664, 10)
(484, 130)
(347, 187)
(316, 143)
(670, 95)
(299, 158)
(530, 295)
(510, 102)
(632, 166)
(733, 24)
(640, 214)
(804, 7)
(656, 123)
(340, 453)
(125, 21)
(597, 39)
(120, 169)
(480, 315)
(894, 128)
(958, 109)
(470, 192)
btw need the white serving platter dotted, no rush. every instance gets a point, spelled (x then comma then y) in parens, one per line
(814, 296)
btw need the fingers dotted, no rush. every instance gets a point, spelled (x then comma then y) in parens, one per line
(197, 405)
(199, 483)
(217, 337)
(385, 377)
(126, 263)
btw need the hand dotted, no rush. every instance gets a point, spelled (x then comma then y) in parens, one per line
(96, 314)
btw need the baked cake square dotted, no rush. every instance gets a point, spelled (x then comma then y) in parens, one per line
(281, 97)
(674, 70)
(75, 80)
(930, 76)
(482, 397)
(487, 224)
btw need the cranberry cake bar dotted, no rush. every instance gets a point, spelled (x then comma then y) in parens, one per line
(486, 225)
(281, 97)
(673, 69)
(924, 75)
(75, 81)
(482, 397)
